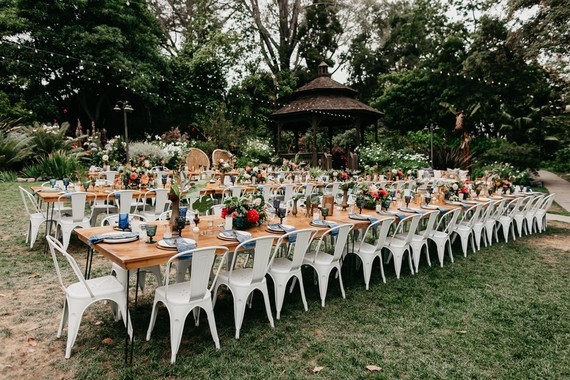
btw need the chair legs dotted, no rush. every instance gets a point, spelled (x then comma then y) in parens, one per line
(280, 285)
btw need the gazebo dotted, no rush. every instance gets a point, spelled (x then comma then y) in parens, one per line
(322, 103)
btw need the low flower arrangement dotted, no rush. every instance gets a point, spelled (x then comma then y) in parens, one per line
(369, 196)
(135, 176)
(223, 166)
(451, 190)
(247, 212)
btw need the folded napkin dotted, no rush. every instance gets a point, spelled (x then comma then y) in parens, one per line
(322, 222)
(181, 245)
(240, 236)
(292, 238)
(396, 214)
(114, 236)
(418, 211)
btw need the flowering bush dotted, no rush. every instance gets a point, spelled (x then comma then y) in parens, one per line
(256, 151)
(246, 212)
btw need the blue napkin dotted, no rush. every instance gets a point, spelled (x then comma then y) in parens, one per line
(418, 211)
(443, 210)
(115, 236)
(293, 237)
(397, 214)
(323, 222)
(240, 236)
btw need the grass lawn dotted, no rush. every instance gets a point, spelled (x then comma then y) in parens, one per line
(499, 313)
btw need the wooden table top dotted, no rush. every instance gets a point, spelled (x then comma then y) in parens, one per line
(47, 194)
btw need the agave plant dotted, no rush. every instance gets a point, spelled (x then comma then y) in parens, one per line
(48, 139)
(15, 147)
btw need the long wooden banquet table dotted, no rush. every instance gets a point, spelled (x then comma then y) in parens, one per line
(132, 256)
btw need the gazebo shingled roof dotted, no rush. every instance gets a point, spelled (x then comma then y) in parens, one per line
(323, 102)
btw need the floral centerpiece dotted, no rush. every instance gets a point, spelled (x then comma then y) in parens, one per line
(367, 196)
(223, 166)
(450, 190)
(246, 212)
(135, 176)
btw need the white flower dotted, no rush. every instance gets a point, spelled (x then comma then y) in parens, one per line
(409, 172)
(146, 163)
(105, 158)
(226, 165)
(257, 201)
(394, 171)
(455, 187)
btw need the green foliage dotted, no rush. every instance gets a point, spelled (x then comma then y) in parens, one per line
(49, 138)
(7, 176)
(60, 164)
(562, 160)
(15, 146)
(32, 171)
(255, 151)
(202, 204)
(522, 157)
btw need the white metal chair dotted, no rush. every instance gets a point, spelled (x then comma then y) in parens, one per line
(370, 247)
(119, 272)
(183, 297)
(519, 217)
(160, 203)
(80, 295)
(506, 219)
(37, 216)
(541, 212)
(464, 228)
(78, 218)
(530, 216)
(441, 234)
(284, 268)
(420, 239)
(400, 241)
(491, 222)
(243, 281)
(327, 257)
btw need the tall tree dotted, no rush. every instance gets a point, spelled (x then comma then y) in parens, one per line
(319, 33)
(82, 56)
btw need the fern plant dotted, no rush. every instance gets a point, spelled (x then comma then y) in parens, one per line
(60, 164)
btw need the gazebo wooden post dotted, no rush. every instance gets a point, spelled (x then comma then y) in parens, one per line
(330, 136)
(296, 136)
(277, 137)
(314, 123)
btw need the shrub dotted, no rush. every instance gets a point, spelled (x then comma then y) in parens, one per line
(255, 151)
(15, 146)
(562, 160)
(32, 171)
(147, 151)
(7, 176)
(60, 164)
(521, 157)
(49, 138)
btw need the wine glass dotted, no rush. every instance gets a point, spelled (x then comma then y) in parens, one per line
(66, 183)
(324, 212)
(407, 199)
(428, 198)
(123, 221)
(180, 224)
(151, 232)
(164, 179)
(361, 203)
(86, 185)
(233, 179)
(281, 213)
(52, 182)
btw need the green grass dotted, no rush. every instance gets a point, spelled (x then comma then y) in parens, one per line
(499, 313)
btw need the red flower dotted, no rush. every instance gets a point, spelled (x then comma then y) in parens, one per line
(224, 212)
(383, 193)
(133, 176)
(344, 175)
(374, 194)
(252, 216)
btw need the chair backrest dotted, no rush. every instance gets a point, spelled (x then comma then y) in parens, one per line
(111, 219)
(302, 241)
(487, 211)
(78, 203)
(288, 192)
(54, 247)
(547, 202)
(197, 159)
(408, 227)
(378, 231)
(161, 196)
(165, 215)
(266, 192)
(30, 203)
(431, 219)
(537, 202)
(332, 188)
(110, 176)
(471, 215)
(338, 234)
(223, 154)
(202, 264)
(217, 209)
(123, 199)
(512, 207)
(263, 253)
(309, 187)
(448, 220)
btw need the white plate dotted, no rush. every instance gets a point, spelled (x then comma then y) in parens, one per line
(279, 229)
(117, 241)
(358, 217)
(404, 209)
(471, 202)
(49, 190)
(225, 235)
(453, 203)
(430, 207)
(171, 243)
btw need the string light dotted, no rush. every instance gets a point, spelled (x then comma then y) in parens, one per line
(215, 91)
